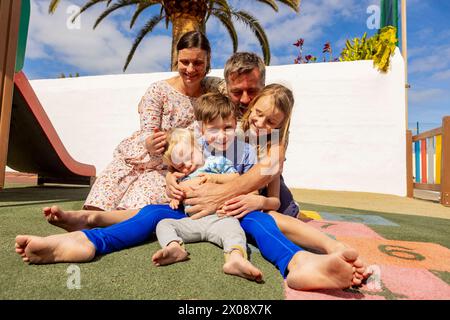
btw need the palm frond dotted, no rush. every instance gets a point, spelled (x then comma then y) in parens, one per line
(87, 5)
(257, 30)
(142, 33)
(271, 3)
(114, 7)
(161, 13)
(293, 4)
(228, 24)
(219, 6)
(223, 5)
(140, 8)
(52, 6)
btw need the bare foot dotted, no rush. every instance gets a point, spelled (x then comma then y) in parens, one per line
(68, 247)
(239, 266)
(67, 220)
(171, 254)
(308, 271)
(360, 268)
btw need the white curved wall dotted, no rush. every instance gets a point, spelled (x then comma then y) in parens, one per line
(347, 130)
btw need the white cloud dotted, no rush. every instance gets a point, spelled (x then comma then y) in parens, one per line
(99, 51)
(442, 75)
(434, 58)
(426, 95)
(105, 49)
(284, 27)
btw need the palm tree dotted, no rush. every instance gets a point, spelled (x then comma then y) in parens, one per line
(185, 16)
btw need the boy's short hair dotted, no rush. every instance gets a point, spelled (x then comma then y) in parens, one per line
(212, 105)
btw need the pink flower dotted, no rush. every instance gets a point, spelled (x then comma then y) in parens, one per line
(299, 42)
(327, 47)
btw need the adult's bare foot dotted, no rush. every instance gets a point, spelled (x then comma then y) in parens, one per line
(360, 268)
(67, 220)
(237, 265)
(308, 271)
(173, 253)
(69, 247)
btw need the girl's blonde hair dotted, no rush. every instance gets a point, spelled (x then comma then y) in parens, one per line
(283, 100)
(173, 137)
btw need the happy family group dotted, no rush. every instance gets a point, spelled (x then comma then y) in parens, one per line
(206, 165)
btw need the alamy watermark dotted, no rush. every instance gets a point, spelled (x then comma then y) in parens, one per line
(374, 281)
(373, 22)
(73, 21)
(74, 278)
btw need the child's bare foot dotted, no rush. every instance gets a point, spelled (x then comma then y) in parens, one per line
(67, 220)
(69, 247)
(308, 271)
(239, 266)
(171, 254)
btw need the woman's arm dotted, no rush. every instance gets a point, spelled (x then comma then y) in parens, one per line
(150, 111)
(272, 201)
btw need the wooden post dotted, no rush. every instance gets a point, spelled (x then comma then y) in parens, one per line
(445, 171)
(9, 32)
(409, 169)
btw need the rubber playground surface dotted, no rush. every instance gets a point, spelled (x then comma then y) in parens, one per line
(409, 255)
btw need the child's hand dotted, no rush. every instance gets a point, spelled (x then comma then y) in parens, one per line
(173, 189)
(174, 204)
(156, 142)
(242, 205)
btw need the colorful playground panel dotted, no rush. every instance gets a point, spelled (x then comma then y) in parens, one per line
(359, 218)
(387, 283)
(404, 254)
(345, 229)
(427, 155)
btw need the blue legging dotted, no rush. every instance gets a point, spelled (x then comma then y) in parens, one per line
(259, 226)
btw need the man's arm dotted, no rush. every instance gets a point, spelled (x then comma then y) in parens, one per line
(220, 178)
(208, 198)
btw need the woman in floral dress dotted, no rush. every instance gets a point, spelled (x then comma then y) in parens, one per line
(136, 176)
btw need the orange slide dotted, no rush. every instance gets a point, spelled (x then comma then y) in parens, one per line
(34, 145)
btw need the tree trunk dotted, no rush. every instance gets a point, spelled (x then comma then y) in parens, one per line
(182, 23)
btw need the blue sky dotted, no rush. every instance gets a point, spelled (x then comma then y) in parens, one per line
(54, 47)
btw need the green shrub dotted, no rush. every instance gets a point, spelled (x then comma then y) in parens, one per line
(378, 48)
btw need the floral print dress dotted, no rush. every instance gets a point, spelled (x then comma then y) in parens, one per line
(134, 178)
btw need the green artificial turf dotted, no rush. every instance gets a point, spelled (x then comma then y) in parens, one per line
(128, 274)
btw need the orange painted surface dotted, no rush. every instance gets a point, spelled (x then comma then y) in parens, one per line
(401, 253)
